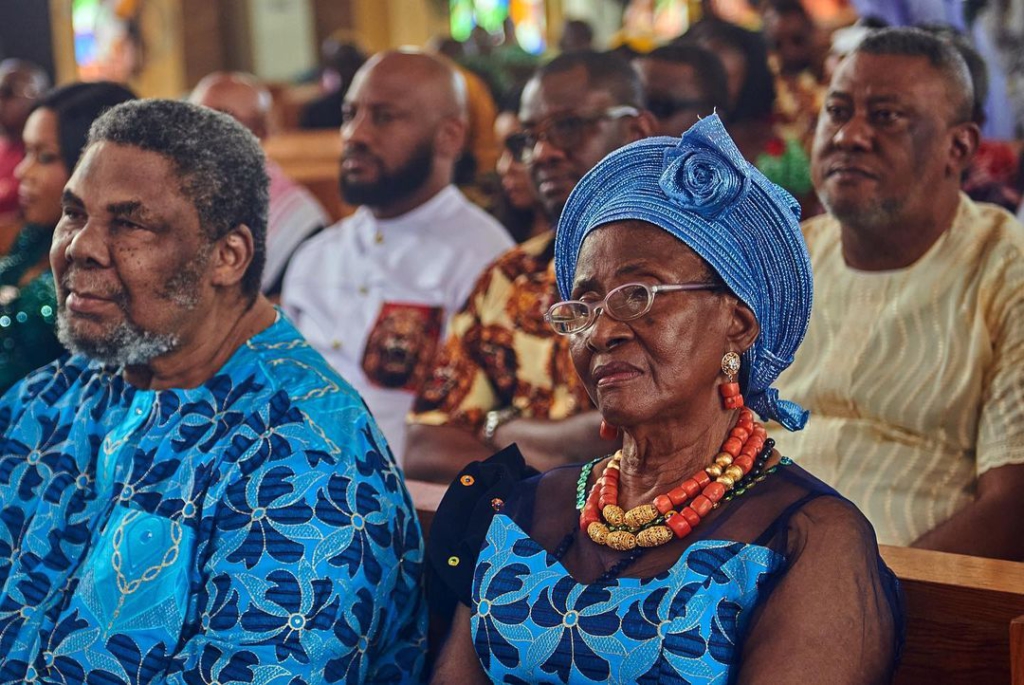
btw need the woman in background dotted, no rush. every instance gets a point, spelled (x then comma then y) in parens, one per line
(517, 208)
(751, 123)
(55, 134)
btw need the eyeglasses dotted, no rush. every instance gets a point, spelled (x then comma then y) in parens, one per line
(625, 303)
(564, 132)
(8, 92)
(666, 107)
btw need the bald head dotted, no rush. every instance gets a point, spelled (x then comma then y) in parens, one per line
(404, 127)
(237, 94)
(21, 85)
(433, 82)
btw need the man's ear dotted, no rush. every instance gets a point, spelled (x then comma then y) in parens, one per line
(450, 137)
(641, 126)
(232, 255)
(964, 141)
(743, 328)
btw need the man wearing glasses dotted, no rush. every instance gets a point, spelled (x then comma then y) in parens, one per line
(21, 84)
(503, 376)
(682, 83)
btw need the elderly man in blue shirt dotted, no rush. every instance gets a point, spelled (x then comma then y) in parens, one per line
(192, 496)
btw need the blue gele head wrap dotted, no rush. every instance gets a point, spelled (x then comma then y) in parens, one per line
(700, 189)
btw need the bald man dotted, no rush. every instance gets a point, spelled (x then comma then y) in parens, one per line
(373, 292)
(295, 214)
(21, 84)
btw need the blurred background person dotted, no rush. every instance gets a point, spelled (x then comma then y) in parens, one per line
(518, 208)
(21, 84)
(341, 60)
(682, 83)
(796, 61)
(577, 36)
(751, 122)
(374, 292)
(295, 214)
(55, 134)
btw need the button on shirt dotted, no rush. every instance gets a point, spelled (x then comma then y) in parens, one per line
(374, 295)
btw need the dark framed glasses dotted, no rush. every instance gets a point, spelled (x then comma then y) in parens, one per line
(625, 303)
(666, 107)
(564, 132)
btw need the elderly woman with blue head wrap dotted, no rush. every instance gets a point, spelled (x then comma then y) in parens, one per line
(696, 553)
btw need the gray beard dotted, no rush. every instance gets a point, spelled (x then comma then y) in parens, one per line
(877, 215)
(125, 345)
(128, 344)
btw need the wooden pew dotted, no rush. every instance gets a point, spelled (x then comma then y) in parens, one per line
(961, 613)
(1017, 650)
(964, 615)
(312, 158)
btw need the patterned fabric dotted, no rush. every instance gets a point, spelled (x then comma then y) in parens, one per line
(372, 295)
(248, 530)
(532, 622)
(914, 377)
(798, 99)
(500, 352)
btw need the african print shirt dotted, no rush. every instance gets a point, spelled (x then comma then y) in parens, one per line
(500, 352)
(253, 529)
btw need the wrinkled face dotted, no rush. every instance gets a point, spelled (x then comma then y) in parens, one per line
(884, 141)
(515, 181)
(673, 94)
(42, 173)
(387, 138)
(129, 258)
(668, 361)
(555, 171)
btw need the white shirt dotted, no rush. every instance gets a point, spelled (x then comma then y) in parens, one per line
(374, 295)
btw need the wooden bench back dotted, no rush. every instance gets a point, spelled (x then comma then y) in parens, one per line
(965, 618)
(313, 159)
(964, 615)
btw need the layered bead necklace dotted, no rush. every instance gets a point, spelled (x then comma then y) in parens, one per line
(674, 514)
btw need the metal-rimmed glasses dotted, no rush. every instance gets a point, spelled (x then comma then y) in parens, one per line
(564, 132)
(625, 303)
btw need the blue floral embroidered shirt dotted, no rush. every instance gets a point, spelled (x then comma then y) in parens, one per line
(254, 529)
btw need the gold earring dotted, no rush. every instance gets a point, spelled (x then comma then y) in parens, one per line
(730, 365)
(730, 390)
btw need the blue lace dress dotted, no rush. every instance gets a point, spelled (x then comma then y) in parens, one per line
(743, 599)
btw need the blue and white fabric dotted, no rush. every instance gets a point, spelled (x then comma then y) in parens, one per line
(254, 529)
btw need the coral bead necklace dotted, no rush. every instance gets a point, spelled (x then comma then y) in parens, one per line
(676, 513)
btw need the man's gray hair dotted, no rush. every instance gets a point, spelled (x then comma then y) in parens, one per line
(219, 162)
(941, 54)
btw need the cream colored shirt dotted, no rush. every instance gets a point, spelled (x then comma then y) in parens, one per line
(914, 377)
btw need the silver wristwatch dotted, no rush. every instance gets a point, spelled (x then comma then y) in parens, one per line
(493, 420)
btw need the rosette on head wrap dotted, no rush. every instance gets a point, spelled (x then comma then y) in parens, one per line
(700, 189)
